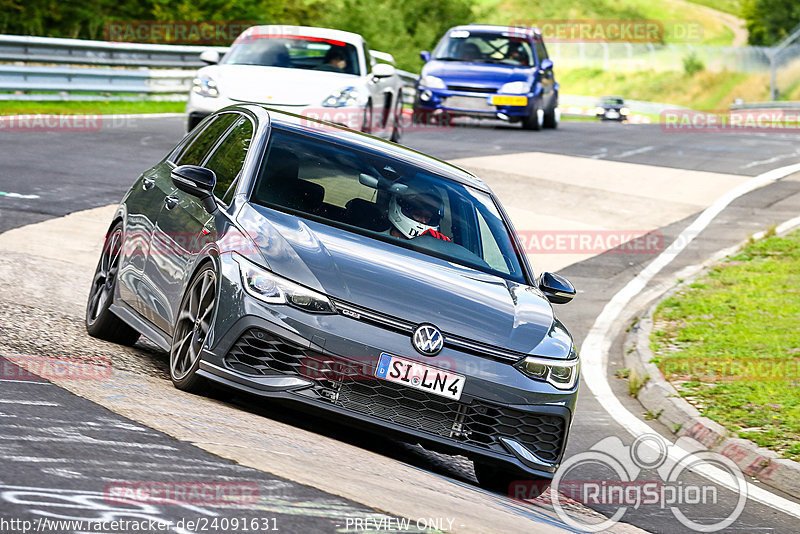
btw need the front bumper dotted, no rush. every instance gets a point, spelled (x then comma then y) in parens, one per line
(327, 362)
(199, 107)
(470, 104)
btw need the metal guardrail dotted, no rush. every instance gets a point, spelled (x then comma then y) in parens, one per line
(29, 78)
(108, 67)
(29, 49)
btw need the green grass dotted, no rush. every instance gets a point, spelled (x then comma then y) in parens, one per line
(730, 343)
(704, 90)
(734, 7)
(103, 107)
(510, 11)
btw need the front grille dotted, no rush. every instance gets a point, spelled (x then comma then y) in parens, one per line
(353, 386)
(470, 103)
(468, 89)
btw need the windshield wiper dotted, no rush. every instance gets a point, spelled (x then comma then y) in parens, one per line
(448, 59)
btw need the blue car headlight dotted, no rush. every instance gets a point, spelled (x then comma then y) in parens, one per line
(273, 289)
(432, 82)
(346, 97)
(515, 88)
(205, 86)
(561, 374)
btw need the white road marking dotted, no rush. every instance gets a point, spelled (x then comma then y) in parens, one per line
(17, 195)
(597, 344)
(28, 403)
(25, 381)
(602, 153)
(635, 151)
(770, 160)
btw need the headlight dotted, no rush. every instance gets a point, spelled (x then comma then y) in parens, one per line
(560, 373)
(433, 82)
(205, 86)
(624, 111)
(599, 111)
(348, 96)
(273, 289)
(515, 88)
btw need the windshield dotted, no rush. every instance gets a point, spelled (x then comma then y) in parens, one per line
(294, 52)
(387, 199)
(611, 102)
(504, 48)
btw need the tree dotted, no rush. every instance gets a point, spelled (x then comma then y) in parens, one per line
(769, 21)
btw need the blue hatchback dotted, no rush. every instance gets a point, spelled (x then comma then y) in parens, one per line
(491, 72)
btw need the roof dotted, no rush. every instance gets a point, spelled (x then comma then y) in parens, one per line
(304, 31)
(340, 134)
(534, 32)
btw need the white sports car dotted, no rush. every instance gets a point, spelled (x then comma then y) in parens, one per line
(316, 72)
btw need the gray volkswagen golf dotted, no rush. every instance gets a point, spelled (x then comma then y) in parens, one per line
(298, 260)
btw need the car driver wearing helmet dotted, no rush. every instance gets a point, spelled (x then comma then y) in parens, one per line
(415, 212)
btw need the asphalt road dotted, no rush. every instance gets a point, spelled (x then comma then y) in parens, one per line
(69, 463)
(75, 171)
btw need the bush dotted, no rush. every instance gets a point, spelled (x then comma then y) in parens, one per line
(692, 65)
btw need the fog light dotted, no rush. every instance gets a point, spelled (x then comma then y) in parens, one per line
(426, 95)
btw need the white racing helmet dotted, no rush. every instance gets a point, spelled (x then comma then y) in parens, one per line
(406, 208)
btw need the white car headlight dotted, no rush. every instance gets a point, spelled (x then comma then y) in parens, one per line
(515, 88)
(273, 289)
(433, 82)
(204, 85)
(349, 96)
(560, 373)
(624, 111)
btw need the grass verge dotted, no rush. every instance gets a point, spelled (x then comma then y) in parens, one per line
(101, 107)
(730, 343)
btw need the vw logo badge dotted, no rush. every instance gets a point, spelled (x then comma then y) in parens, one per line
(428, 340)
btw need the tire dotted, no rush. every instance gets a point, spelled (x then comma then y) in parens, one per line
(191, 330)
(534, 120)
(509, 482)
(100, 320)
(551, 118)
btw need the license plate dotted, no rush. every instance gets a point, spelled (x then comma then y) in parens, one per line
(420, 376)
(612, 114)
(504, 100)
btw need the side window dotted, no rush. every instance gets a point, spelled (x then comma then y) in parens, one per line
(228, 158)
(491, 251)
(203, 142)
(541, 51)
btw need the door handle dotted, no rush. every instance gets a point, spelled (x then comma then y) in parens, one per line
(148, 183)
(170, 202)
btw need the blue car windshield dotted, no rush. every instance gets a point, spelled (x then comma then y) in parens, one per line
(387, 199)
(503, 48)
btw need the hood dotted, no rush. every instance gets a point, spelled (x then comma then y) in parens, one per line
(277, 85)
(476, 74)
(400, 282)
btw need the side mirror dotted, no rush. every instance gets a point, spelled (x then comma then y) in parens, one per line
(556, 288)
(425, 56)
(210, 56)
(547, 64)
(382, 70)
(198, 182)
